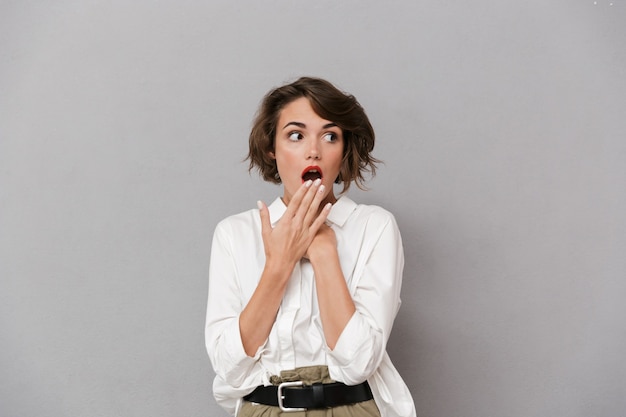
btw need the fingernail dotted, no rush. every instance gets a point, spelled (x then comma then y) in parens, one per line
(328, 206)
(308, 183)
(321, 189)
(259, 204)
(317, 182)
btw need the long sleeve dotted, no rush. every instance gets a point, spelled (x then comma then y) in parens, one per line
(375, 287)
(222, 336)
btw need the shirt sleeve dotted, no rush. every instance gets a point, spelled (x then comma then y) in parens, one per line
(375, 290)
(222, 335)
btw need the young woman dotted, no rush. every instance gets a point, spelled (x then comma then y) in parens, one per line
(303, 292)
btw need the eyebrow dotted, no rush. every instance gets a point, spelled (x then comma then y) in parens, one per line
(303, 126)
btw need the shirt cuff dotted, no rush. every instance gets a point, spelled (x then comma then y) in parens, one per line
(356, 353)
(350, 337)
(239, 363)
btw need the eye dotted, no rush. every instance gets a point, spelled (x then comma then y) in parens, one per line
(295, 136)
(330, 137)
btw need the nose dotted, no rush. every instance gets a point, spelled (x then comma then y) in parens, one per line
(313, 151)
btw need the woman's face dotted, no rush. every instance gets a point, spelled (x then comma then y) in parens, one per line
(306, 147)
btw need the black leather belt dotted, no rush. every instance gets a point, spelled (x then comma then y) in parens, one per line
(294, 396)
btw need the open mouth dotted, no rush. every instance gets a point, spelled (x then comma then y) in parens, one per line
(311, 173)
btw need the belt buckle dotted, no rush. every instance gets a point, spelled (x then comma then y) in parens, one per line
(281, 396)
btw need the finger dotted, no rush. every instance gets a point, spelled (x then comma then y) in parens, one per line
(296, 200)
(307, 202)
(321, 218)
(313, 207)
(266, 226)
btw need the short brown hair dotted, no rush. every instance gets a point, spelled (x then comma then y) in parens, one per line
(329, 103)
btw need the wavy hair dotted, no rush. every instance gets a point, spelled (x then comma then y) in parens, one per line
(329, 103)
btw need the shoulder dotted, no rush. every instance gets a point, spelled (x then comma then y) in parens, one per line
(374, 227)
(238, 223)
(374, 211)
(372, 218)
(374, 214)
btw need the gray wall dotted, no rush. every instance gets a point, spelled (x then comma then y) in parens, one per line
(122, 130)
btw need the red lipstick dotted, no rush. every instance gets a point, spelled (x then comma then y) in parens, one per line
(312, 173)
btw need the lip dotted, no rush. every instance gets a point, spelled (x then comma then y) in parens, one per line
(311, 168)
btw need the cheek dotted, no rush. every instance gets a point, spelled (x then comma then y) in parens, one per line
(284, 160)
(287, 168)
(337, 158)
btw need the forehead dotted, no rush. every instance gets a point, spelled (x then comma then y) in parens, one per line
(299, 110)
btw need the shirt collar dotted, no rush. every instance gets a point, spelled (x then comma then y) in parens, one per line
(338, 215)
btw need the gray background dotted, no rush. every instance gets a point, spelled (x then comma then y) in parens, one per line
(502, 124)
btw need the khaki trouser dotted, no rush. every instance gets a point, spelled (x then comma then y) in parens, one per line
(309, 375)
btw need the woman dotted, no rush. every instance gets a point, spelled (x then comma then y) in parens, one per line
(303, 292)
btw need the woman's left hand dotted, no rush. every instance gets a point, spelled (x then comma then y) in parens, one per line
(323, 242)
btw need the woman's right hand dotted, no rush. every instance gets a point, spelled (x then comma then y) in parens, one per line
(288, 241)
(284, 246)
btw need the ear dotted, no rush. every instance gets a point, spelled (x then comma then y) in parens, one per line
(272, 155)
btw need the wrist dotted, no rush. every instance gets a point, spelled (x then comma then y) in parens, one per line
(322, 253)
(278, 268)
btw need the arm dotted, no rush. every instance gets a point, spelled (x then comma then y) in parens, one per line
(225, 298)
(237, 325)
(333, 296)
(375, 290)
(284, 246)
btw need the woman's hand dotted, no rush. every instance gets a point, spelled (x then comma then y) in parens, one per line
(284, 246)
(323, 244)
(289, 241)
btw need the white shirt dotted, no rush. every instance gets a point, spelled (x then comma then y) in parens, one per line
(371, 257)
